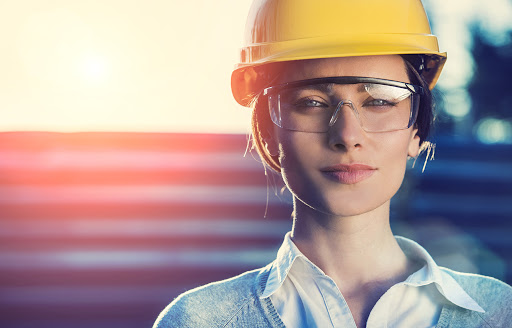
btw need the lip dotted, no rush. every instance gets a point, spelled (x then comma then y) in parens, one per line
(348, 173)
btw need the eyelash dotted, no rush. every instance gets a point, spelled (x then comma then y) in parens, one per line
(382, 102)
(306, 102)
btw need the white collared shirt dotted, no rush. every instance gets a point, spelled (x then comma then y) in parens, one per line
(305, 297)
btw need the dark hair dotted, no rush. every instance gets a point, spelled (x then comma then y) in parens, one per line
(262, 125)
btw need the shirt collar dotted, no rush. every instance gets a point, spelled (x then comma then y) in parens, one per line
(286, 256)
(432, 273)
(429, 273)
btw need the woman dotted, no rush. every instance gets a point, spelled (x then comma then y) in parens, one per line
(340, 92)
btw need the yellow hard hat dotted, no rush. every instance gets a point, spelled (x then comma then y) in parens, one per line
(285, 30)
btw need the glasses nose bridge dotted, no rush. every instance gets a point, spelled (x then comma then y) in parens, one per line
(337, 111)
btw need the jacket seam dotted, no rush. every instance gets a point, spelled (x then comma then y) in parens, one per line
(246, 301)
(483, 319)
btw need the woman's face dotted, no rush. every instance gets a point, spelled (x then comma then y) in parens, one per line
(344, 171)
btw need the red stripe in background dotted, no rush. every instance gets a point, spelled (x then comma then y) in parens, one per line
(54, 184)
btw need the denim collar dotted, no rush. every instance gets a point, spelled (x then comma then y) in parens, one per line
(430, 273)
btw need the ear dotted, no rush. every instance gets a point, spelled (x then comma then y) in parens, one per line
(271, 146)
(414, 144)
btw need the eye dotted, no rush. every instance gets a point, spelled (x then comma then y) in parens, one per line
(379, 103)
(309, 102)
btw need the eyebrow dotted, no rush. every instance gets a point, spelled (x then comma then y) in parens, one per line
(325, 87)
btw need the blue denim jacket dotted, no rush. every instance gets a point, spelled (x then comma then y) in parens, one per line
(236, 303)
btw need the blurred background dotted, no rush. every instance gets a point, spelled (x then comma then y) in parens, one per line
(124, 175)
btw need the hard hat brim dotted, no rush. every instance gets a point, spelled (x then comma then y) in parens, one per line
(246, 81)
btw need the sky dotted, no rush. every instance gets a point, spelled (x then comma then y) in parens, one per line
(162, 65)
(120, 65)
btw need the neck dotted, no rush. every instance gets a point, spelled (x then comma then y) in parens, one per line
(354, 251)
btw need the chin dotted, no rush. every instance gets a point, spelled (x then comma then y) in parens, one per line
(351, 210)
(352, 204)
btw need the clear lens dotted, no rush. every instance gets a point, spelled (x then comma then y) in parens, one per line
(316, 107)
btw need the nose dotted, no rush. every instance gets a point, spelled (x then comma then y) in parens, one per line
(345, 131)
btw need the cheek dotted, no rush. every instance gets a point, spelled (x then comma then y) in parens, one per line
(299, 155)
(294, 154)
(393, 162)
(293, 148)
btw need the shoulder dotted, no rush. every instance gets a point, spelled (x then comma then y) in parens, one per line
(211, 305)
(493, 295)
(481, 287)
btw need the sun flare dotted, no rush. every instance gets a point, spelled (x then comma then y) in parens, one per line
(93, 68)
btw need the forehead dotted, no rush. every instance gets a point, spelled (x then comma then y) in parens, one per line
(390, 67)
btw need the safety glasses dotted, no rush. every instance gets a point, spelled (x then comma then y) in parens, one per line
(314, 105)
